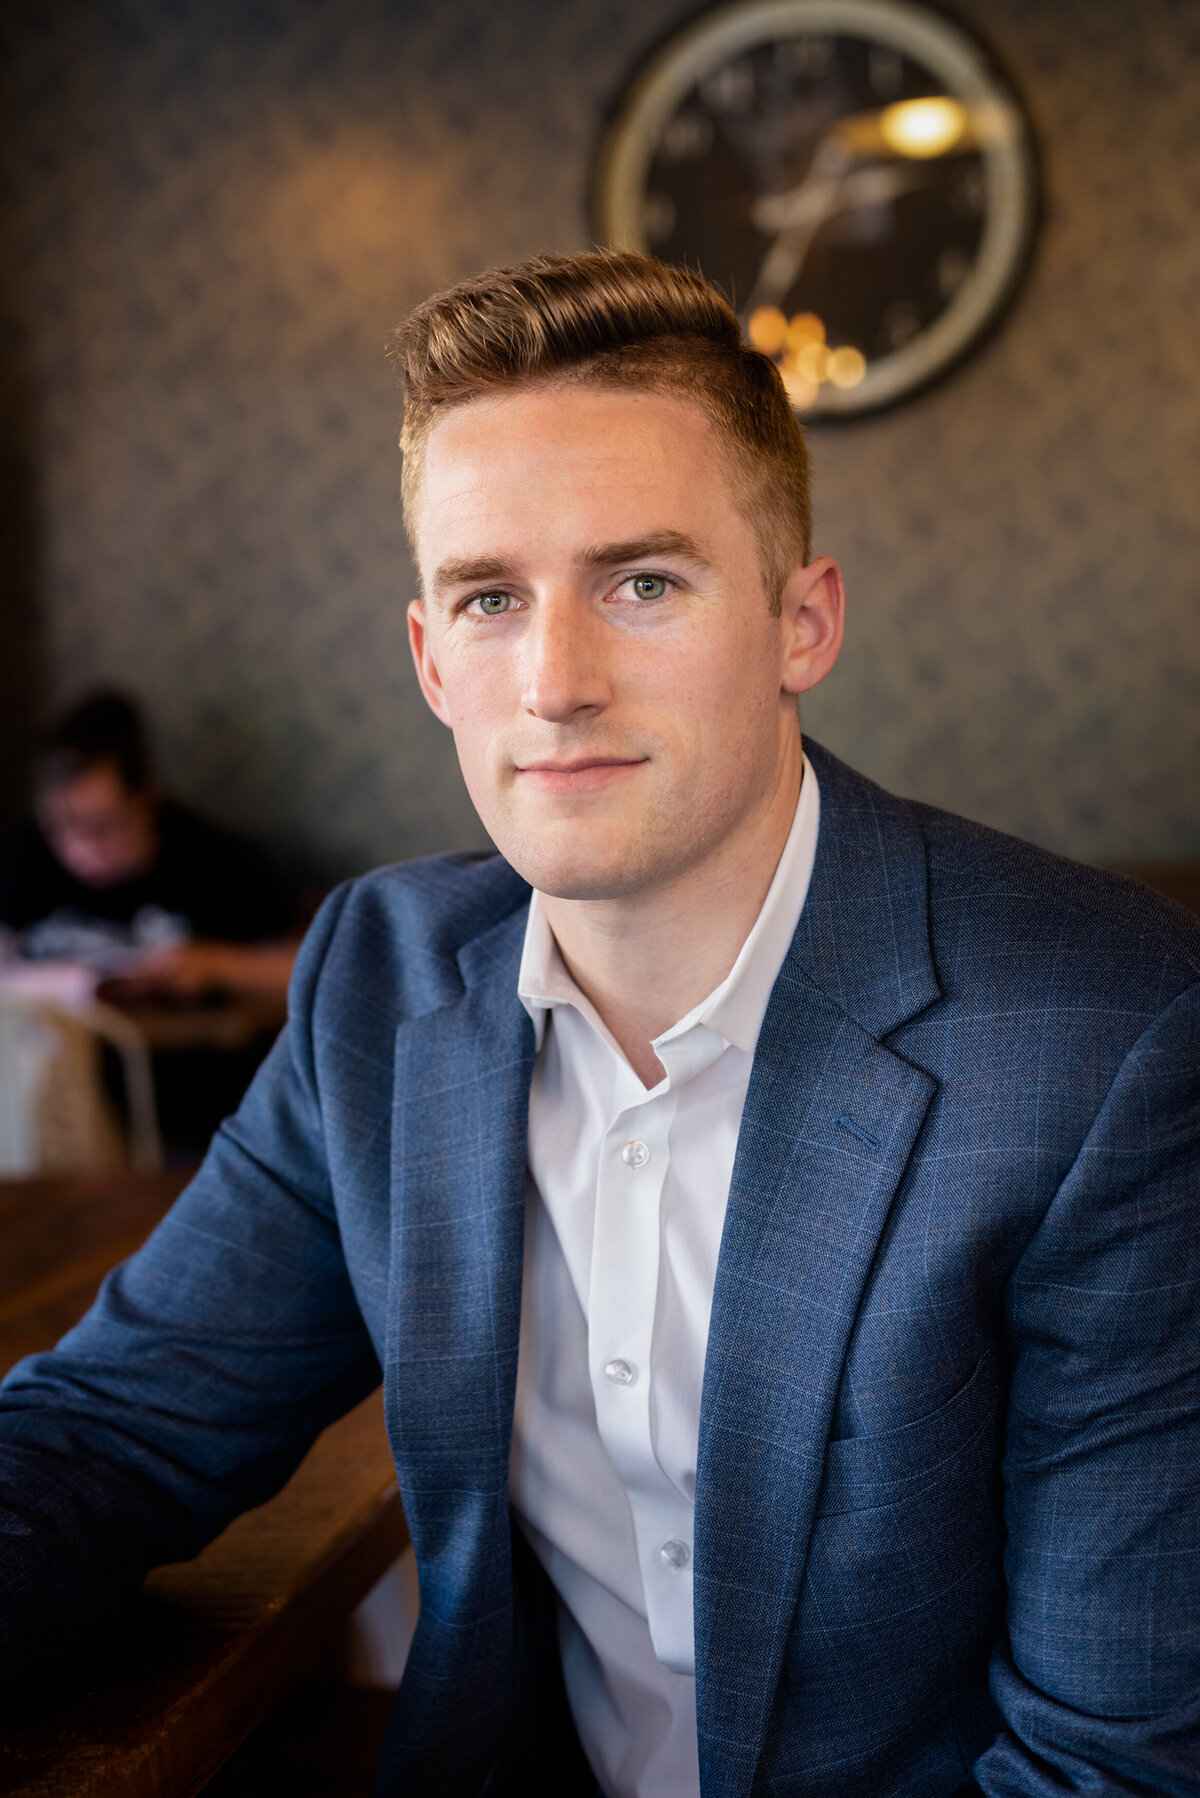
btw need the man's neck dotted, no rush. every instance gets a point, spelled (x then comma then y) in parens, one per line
(646, 959)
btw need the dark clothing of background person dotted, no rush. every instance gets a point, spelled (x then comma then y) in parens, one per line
(217, 884)
(205, 883)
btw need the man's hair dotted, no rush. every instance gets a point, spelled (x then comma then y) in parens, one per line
(106, 728)
(613, 319)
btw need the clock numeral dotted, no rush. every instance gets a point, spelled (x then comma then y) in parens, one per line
(899, 324)
(885, 72)
(658, 217)
(952, 267)
(969, 193)
(687, 137)
(808, 56)
(731, 88)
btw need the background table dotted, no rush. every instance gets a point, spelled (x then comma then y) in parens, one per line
(204, 1053)
(212, 1643)
(230, 1023)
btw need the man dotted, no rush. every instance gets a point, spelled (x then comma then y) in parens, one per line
(113, 874)
(146, 899)
(776, 1234)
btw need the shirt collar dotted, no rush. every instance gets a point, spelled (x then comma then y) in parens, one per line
(543, 981)
(735, 1009)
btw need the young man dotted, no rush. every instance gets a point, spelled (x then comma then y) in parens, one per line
(112, 873)
(776, 1233)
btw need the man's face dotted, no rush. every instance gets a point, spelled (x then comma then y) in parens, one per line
(596, 633)
(100, 831)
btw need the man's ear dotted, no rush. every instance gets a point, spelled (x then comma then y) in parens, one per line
(427, 670)
(812, 621)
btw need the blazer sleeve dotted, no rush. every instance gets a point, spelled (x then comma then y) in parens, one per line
(1098, 1681)
(205, 1369)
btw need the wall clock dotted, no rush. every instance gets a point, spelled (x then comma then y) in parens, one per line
(857, 175)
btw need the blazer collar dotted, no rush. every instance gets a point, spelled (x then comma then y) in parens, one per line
(863, 938)
(831, 1118)
(459, 1116)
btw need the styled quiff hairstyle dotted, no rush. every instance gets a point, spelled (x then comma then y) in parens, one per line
(613, 319)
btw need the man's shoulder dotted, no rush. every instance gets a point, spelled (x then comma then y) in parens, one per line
(451, 899)
(994, 900)
(1001, 879)
(407, 931)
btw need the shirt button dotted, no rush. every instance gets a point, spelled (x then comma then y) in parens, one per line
(635, 1154)
(621, 1373)
(675, 1554)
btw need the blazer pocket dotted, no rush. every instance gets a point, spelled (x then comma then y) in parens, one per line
(862, 1471)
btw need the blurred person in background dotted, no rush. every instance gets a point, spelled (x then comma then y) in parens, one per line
(113, 875)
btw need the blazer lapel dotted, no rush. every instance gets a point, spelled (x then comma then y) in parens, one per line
(461, 1106)
(830, 1121)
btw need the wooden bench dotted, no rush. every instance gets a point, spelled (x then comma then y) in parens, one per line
(155, 1707)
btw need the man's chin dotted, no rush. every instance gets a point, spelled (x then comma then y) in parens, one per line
(573, 881)
(596, 887)
(583, 869)
(612, 848)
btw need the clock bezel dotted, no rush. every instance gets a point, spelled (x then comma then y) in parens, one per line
(943, 43)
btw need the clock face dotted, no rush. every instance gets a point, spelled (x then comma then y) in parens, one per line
(855, 174)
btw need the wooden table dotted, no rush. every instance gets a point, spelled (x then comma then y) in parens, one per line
(228, 1024)
(1179, 881)
(212, 1643)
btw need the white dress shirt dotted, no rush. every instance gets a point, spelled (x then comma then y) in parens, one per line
(625, 1204)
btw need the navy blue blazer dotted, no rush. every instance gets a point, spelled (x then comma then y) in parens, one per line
(948, 1501)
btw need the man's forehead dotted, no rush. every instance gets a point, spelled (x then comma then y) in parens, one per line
(609, 464)
(497, 432)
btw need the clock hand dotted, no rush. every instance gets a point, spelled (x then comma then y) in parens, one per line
(866, 187)
(808, 205)
(796, 216)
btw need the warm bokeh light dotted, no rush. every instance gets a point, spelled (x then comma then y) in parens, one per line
(846, 366)
(805, 327)
(803, 357)
(810, 361)
(923, 128)
(768, 329)
(802, 393)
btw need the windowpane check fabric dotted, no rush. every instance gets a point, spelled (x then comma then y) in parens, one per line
(947, 1513)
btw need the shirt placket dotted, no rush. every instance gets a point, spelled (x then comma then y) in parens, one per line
(634, 1166)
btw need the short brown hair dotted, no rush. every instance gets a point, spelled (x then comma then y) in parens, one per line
(104, 729)
(612, 318)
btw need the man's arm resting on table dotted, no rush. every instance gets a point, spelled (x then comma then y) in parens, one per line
(1099, 1679)
(202, 1374)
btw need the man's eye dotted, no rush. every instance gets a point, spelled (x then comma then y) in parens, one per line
(648, 586)
(491, 603)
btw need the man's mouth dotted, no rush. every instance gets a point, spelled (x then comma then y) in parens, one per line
(584, 774)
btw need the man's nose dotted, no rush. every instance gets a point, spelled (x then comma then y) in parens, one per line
(566, 668)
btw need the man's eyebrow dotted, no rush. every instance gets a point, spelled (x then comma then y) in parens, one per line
(460, 571)
(643, 549)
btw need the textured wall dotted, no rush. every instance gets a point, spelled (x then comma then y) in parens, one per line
(216, 210)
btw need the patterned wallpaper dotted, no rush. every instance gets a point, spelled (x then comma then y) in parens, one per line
(214, 210)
